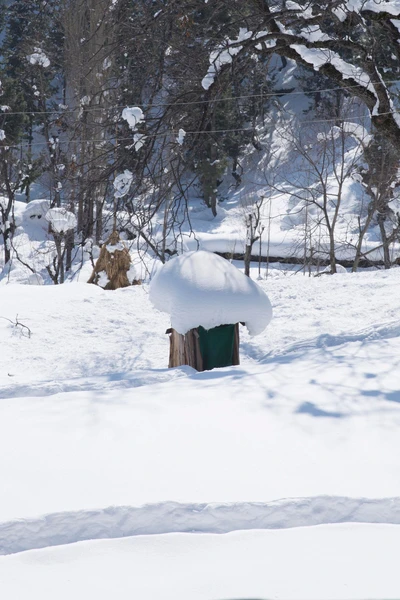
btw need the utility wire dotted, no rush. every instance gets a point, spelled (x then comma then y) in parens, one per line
(176, 133)
(193, 102)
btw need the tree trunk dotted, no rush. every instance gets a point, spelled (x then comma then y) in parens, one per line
(363, 230)
(60, 257)
(332, 256)
(247, 259)
(69, 246)
(7, 245)
(385, 240)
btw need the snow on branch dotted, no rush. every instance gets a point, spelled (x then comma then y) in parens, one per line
(223, 55)
(312, 33)
(38, 57)
(61, 220)
(122, 183)
(133, 115)
(181, 136)
(318, 57)
(391, 7)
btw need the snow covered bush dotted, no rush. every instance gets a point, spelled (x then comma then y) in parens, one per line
(60, 220)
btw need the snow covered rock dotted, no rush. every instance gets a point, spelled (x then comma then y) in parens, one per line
(339, 269)
(36, 210)
(201, 288)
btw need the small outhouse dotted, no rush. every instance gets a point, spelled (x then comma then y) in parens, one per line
(207, 298)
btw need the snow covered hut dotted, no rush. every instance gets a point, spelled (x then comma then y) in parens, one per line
(207, 297)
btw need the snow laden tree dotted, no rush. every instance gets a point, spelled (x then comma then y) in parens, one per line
(89, 53)
(13, 171)
(380, 177)
(61, 221)
(31, 71)
(354, 43)
(166, 84)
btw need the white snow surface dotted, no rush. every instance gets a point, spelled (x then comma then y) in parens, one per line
(4, 202)
(201, 288)
(318, 563)
(276, 478)
(35, 209)
(356, 130)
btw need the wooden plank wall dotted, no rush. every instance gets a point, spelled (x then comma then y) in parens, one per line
(185, 349)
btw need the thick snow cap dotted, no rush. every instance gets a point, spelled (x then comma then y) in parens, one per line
(201, 288)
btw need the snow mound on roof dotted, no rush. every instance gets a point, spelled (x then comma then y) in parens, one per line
(201, 288)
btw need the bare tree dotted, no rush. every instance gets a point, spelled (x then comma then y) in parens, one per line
(89, 28)
(252, 216)
(60, 222)
(324, 161)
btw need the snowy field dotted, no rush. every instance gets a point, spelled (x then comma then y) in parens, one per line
(318, 563)
(279, 478)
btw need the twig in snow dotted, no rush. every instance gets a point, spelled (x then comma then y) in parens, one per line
(24, 328)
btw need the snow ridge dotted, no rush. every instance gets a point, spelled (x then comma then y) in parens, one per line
(387, 330)
(172, 517)
(100, 383)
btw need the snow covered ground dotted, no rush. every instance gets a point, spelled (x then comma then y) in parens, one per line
(298, 445)
(330, 561)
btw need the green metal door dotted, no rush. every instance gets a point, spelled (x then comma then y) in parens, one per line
(217, 346)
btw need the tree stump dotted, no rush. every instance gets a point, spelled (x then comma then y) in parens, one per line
(112, 267)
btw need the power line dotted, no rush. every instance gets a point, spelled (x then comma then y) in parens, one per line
(61, 112)
(199, 132)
